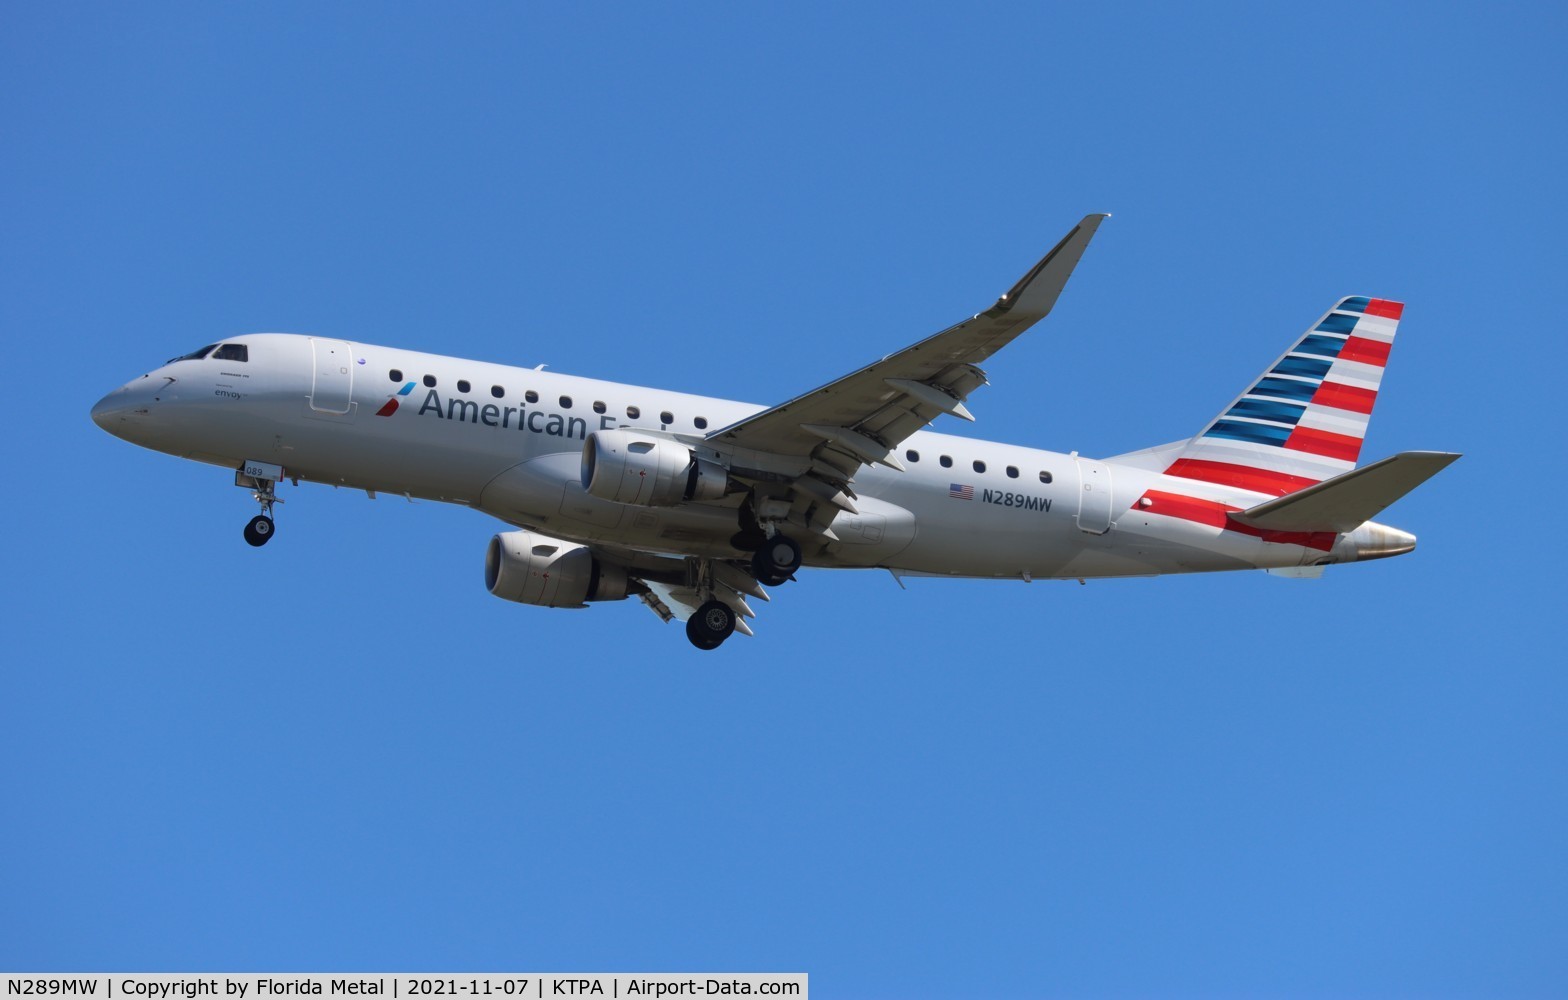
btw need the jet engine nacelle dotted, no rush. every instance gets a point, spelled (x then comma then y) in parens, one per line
(531, 568)
(638, 467)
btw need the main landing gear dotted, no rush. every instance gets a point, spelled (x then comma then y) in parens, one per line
(776, 561)
(718, 617)
(711, 625)
(719, 587)
(775, 555)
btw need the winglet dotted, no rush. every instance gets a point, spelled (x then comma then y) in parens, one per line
(1037, 291)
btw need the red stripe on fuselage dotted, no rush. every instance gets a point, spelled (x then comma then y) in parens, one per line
(1218, 515)
(1368, 352)
(1345, 397)
(1387, 308)
(1210, 512)
(1240, 476)
(1325, 443)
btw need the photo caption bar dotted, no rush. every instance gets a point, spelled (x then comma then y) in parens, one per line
(398, 986)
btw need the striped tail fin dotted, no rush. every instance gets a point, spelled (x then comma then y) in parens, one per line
(1304, 419)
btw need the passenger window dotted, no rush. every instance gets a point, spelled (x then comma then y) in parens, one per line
(566, 402)
(979, 465)
(232, 352)
(395, 375)
(497, 392)
(462, 385)
(912, 455)
(1012, 472)
(531, 396)
(947, 463)
(632, 412)
(667, 417)
(1045, 477)
(430, 380)
(700, 422)
(598, 406)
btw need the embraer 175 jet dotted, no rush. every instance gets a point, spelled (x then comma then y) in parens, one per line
(693, 504)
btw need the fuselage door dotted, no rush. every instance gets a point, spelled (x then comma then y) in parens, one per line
(1094, 496)
(333, 386)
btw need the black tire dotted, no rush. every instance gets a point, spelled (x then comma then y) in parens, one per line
(767, 575)
(259, 530)
(713, 622)
(699, 636)
(776, 561)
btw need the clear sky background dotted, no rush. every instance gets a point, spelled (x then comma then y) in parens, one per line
(338, 752)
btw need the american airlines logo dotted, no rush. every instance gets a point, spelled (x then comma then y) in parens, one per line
(467, 411)
(390, 407)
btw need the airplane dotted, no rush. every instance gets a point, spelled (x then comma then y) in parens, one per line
(695, 505)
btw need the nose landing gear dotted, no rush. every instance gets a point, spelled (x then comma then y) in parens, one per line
(262, 479)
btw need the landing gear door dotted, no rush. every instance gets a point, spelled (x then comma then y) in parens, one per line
(1094, 496)
(332, 387)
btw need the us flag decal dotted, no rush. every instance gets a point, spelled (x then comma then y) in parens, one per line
(961, 491)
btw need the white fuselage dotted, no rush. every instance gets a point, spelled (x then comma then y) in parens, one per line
(508, 441)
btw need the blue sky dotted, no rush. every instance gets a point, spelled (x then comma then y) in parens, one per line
(339, 753)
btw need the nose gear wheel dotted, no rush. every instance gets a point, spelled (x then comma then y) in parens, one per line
(259, 530)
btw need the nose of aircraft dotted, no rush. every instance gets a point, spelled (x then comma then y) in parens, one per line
(109, 410)
(105, 409)
(124, 409)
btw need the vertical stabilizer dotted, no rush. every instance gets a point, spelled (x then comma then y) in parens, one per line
(1303, 420)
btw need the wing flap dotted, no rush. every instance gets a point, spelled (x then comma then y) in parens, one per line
(1351, 499)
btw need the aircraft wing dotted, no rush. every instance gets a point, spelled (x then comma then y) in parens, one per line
(818, 441)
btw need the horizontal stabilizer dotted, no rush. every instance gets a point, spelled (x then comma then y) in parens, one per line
(1348, 501)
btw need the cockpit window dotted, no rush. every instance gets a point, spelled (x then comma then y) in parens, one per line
(193, 356)
(231, 352)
